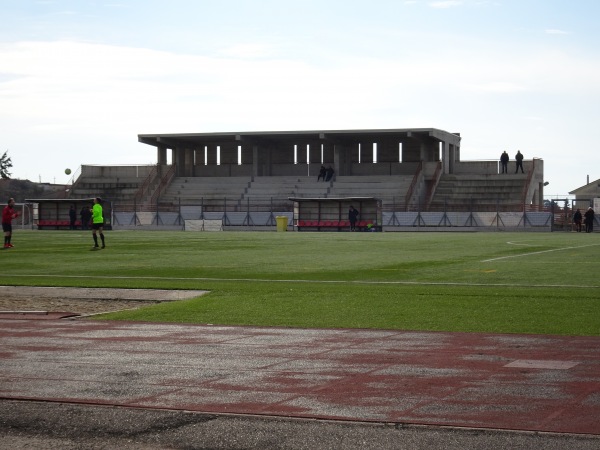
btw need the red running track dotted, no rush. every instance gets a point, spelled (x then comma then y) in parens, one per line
(516, 382)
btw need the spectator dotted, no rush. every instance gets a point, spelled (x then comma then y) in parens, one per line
(589, 220)
(577, 217)
(504, 161)
(72, 218)
(86, 216)
(519, 159)
(352, 216)
(330, 173)
(322, 173)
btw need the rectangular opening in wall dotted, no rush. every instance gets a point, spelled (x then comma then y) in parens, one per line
(239, 155)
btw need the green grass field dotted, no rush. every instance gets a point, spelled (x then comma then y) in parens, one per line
(527, 282)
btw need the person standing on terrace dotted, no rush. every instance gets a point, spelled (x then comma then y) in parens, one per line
(519, 159)
(504, 161)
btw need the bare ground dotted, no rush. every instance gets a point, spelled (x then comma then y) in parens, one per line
(84, 301)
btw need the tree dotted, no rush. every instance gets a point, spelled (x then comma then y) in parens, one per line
(5, 164)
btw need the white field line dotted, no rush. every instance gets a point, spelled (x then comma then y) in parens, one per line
(266, 280)
(537, 253)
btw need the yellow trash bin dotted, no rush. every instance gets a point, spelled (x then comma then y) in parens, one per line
(282, 223)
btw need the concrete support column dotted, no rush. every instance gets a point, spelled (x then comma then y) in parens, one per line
(161, 155)
(352, 152)
(328, 152)
(343, 156)
(247, 154)
(188, 162)
(255, 160)
(286, 155)
(211, 157)
(229, 154)
(179, 161)
(387, 151)
(262, 161)
(195, 160)
(314, 155)
(453, 156)
(429, 151)
(446, 163)
(338, 160)
(366, 153)
(412, 151)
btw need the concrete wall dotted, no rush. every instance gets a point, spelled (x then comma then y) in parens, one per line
(121, 172)
(487, 167)
(223, 170)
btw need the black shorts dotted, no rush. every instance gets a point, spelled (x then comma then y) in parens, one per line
(7, 227)
(97, 226)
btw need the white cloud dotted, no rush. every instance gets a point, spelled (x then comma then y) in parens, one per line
(66, 103)
(445, 4)
(246, 50)
(496, 87)
(64, 84)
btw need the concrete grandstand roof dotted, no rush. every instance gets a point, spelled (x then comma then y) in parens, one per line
(368, 135)
(330, 199)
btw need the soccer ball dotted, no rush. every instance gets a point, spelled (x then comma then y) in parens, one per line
(68, 171)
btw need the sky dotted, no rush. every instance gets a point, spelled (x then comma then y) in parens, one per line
(80, 79)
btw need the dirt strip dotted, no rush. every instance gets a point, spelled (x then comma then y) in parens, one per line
(85, 301)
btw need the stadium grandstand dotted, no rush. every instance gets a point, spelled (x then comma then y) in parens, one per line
(415, 177)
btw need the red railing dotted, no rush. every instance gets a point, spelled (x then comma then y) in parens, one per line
(165, 181)
(413, 184)
(145, 187)
(527, 183)
(434, 182)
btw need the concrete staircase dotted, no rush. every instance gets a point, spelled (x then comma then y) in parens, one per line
(206, 191)
(389, 189)
(273, 192)
(478, 192)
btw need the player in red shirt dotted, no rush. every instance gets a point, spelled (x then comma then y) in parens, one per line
(8, 214)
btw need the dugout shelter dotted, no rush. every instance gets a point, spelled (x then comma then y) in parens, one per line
(331, 214)
(53, 214)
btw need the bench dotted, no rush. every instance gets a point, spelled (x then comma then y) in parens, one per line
(333, 224)
(56, 224)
